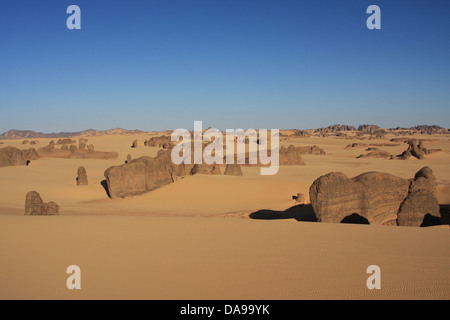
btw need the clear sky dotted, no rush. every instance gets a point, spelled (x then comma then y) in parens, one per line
(162, 64)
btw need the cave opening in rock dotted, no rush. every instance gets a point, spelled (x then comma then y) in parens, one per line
(355, 219)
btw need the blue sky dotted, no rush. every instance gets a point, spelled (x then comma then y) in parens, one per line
(155, 65)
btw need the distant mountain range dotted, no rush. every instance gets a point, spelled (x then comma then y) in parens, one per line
(22, 134)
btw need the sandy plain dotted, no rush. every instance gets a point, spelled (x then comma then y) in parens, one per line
(193, 239)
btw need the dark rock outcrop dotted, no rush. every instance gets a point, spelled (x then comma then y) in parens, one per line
(34, 206)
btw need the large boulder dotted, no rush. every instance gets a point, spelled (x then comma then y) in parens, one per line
(381, 198)
(375, 196)
(138, 176)
(421, 199)
(11, 156)
(34, 206)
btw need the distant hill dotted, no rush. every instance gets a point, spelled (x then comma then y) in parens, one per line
(27, 134)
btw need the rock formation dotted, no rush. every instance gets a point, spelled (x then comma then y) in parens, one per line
(82, 179)
(291, 156)
(164, 142)
(380, 198)
(421, 199)
(73, 152)
(66, 141)
(11, 156)
(233, 170)
(134, 144)
(139, 176)
(415, 149)
(128, 158)
(34, 206)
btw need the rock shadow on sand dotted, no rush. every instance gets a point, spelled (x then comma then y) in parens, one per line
(301, 212)
(104, 184)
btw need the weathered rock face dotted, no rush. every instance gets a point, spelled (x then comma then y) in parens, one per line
(421, 199)
(10, 156)
(233, 170)
(34, 206)
(139, 176)
(381, 198)
(82, 179)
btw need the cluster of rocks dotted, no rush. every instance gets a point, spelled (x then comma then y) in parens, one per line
(11, 156)
(146, 173)
(66, 141)
(415, 149)
(82, 151)
(381, 198)
(35, 206)
(335, 128)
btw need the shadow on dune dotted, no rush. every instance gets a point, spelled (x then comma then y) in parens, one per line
(301, 212)
(105, 186)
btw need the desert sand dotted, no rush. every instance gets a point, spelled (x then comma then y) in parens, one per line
(193, 239)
